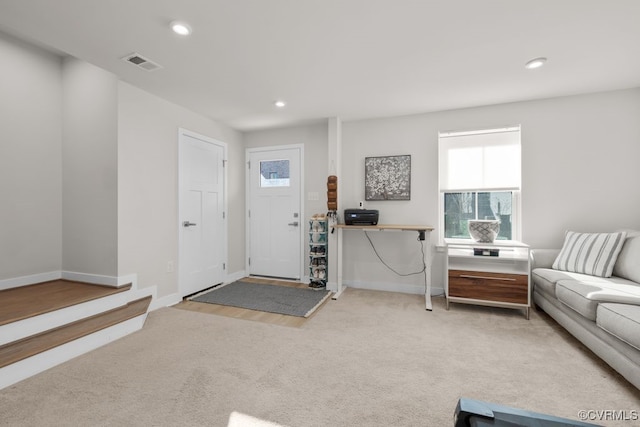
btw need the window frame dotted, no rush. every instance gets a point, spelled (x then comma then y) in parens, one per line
(516, 223)
(516, 201)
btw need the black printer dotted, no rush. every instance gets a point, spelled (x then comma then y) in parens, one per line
(361, 216)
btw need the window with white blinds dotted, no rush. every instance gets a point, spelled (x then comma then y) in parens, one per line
(479, 178)
(480, 160)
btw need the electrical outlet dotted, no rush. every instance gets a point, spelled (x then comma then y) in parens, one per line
(361, 204)
(170, 267)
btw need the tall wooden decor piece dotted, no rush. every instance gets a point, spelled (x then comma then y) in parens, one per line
(332, 193)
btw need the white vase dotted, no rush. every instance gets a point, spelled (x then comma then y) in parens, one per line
(484, 230)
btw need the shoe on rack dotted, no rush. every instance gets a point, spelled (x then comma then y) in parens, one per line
(317, 286)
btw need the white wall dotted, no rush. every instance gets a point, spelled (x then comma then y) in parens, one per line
(89, 169)
(119, 161)
(579, 172)
(148, 186)
(30, 160)
(401, 250)
(580, 165)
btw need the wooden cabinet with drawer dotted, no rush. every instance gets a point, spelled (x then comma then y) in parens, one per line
(501, 281)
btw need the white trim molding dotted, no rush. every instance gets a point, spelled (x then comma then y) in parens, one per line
(165, 301)
(235, 276)
(16, 282)
(406, 288)
(96, 279)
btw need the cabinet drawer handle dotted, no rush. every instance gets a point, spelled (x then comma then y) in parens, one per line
(468, 276)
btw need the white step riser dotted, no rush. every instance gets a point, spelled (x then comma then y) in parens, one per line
(44, 322)
(26, 368)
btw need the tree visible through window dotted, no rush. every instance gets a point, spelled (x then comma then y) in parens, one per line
(460, 207)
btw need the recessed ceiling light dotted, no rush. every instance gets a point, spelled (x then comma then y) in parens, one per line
(181, 28)
(279, 103)
(535, 63)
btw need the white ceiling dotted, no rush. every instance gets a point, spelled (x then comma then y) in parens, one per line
(351, 59)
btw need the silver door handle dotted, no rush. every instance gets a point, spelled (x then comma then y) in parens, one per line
(295, 223)
(188, 224)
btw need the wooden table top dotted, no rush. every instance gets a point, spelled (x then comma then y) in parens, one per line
(387, 227)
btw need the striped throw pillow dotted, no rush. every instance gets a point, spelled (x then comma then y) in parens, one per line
(590, 253)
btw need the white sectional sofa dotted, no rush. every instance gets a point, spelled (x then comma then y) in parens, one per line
(593, 291)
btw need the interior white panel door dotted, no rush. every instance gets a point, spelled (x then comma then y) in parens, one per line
(202, 214)
(275, 222)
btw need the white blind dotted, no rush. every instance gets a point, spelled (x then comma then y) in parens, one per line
(483, 160)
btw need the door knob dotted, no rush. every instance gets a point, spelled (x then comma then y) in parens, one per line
(295, 223)
(188, 224)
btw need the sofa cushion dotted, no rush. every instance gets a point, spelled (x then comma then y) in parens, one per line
(546, 278)
(628, 263)
(620, 320)
(584, 297)
(590, 253)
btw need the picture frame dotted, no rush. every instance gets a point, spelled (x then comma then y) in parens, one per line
(387, 178)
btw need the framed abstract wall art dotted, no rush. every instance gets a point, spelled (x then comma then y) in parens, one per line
(387, 178)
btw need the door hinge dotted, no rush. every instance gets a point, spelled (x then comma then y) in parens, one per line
(249, 259)
(224, 266)
(224, 163)
(224, 215)
(249, 213)
(249, 164)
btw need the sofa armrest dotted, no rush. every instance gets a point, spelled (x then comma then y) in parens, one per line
(543, 258)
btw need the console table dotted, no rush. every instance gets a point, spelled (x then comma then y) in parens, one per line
(423, 232)
(477, 276)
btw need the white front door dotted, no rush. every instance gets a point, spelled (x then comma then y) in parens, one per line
(274, 209)
(202, 222)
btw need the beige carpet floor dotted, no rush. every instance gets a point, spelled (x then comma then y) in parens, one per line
(368, 359)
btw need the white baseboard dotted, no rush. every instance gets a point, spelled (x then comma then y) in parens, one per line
(332, 286)
(96, 279)
(136, 294)
(33, 365)
(128, 279)
(392, 287)
(16, 282)
(235, 276)
(175, 298)
(166, 301)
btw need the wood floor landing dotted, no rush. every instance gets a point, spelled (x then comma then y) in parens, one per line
(33, 300)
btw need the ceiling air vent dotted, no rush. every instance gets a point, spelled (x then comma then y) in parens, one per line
(142, 62)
